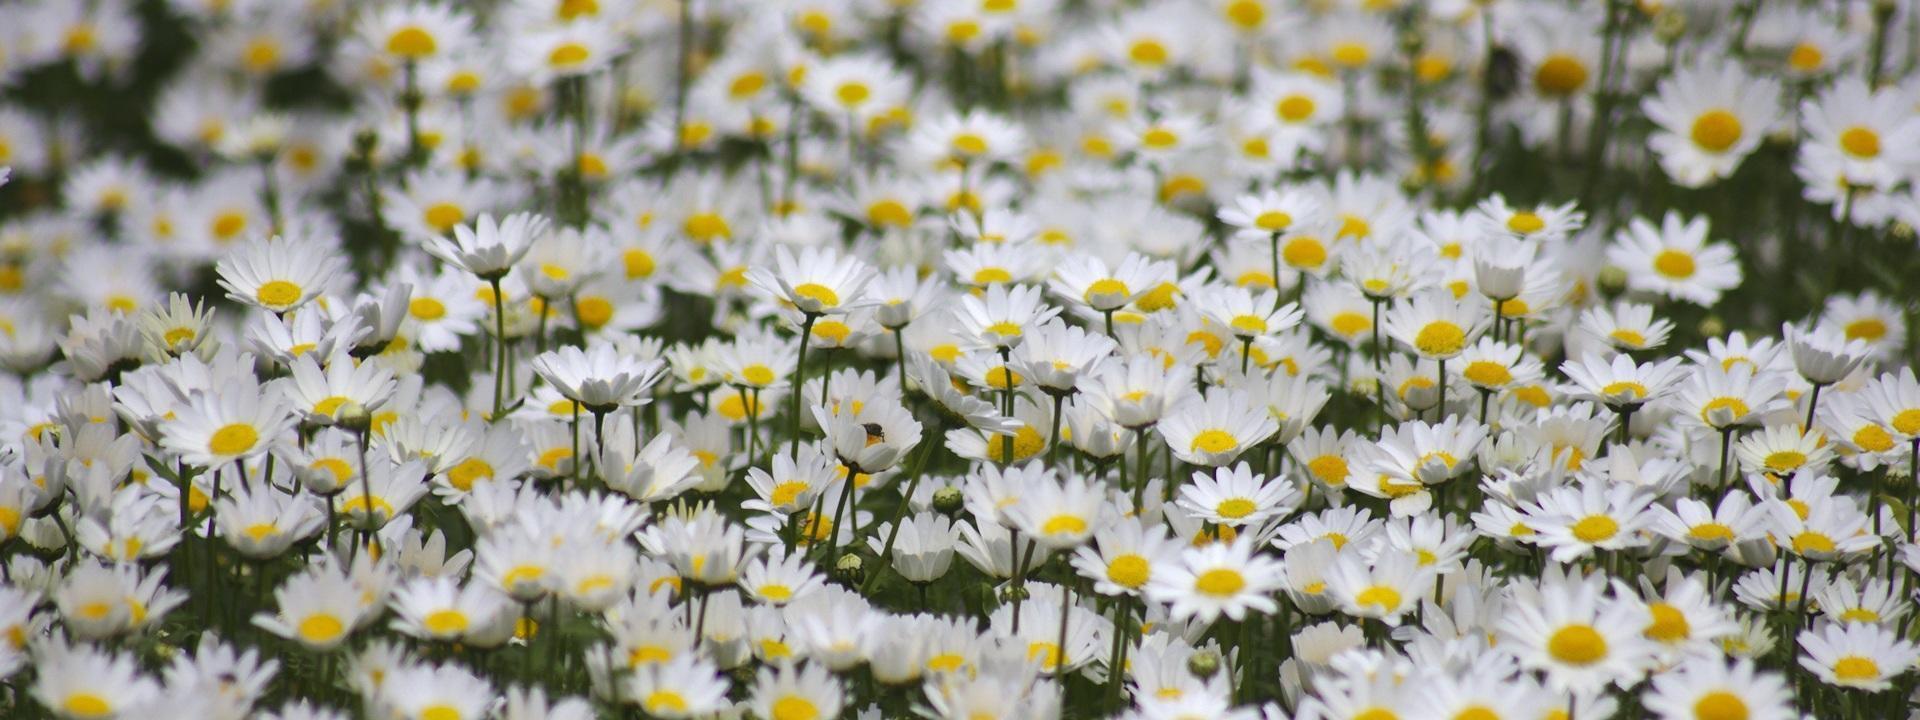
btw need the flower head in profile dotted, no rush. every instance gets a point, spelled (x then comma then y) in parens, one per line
(492, 247)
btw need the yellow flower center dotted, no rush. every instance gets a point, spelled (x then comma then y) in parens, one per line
(1304, 253)
(1806, 57)
(1329, 469)
(278, 294)
(1068, 525)
(1220, 582)
(818, 293)
(1440, 339)
(464, 475)
(1577, 645)
(667, 700)
(1386, 599)
(1027, 442)
(1486, 373)
(1560, 75)
(1595, 528)
(1869, 329)
(1294, 108)
(1854, 668)
(1235, 508)
(445, 622)
(411, 42)
(1668, 625)
(1720, 705)
(794, 707)
(1674, 264)
(321, 629)
(86, 705)
(1273, 221)
(1812, 542)
(1734, 407)
(1526, 223)
(1129, 571)
(757, 375)
(426, 308)
(233, 439)
(568, 55)
(1861, 142)
(1214, 441)
(1351, 324)
(1716, 130)
(1873, 438)
(1710, 531)
(443, 216)
(1148, 51)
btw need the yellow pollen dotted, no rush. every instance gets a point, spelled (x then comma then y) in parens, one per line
(1674, 264)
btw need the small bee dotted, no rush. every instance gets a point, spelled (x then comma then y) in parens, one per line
(875, 433)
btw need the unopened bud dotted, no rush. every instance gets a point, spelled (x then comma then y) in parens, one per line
(949, 501)
(1613, 280)
(849, 569)
(353, 416)
(1204, 664)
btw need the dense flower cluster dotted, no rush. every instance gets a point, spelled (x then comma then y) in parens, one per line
(1336, 360)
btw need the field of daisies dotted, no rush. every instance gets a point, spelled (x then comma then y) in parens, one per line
(959, 359)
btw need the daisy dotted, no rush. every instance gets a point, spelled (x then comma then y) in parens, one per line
(1059, 515)
(1620, 383)
(1383, 589)
(1218, 579)
(1056, 356)
(1214, 429)
(1721, 399)
(1711, 117)
(1544, 223)
(1237, 497)
(317, 608)
(414, 32)
(1086, 280)
(599, 378)
(1711, 528)
(1125, 555)
(804, 691)
(1861, 656)
(1435, 325)
(1247, 314)
(81, 681)
(817, 282)
(1625, 327)
(1000, 318)
(491, 249)
(1705, 687)
(1581, 639)
(278, 274)
(1675, 259)
(1869, 318)
(1573, 521)
(213, 430)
